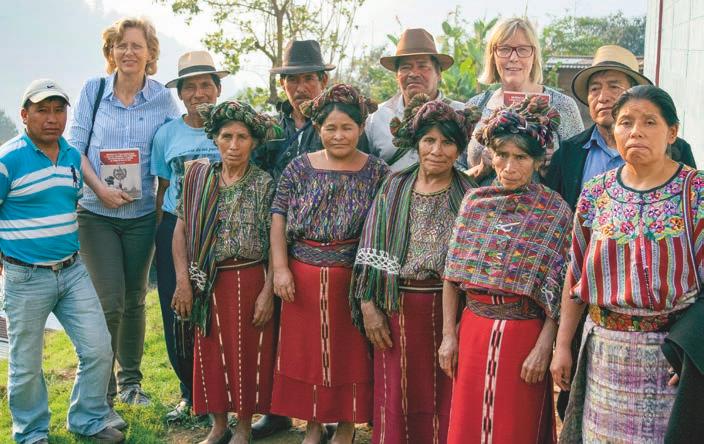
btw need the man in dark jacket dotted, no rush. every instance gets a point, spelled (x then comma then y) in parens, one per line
(303, 76)
(593, 151)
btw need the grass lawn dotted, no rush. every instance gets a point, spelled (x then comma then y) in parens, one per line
(146, 424)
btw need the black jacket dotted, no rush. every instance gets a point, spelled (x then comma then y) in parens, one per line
(274, 155)
(567, 164)
(684, 351)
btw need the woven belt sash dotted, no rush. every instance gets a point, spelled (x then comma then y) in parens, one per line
(424, 286)
(504, 307)
(325, 254)
(234, 264)
(612, 320)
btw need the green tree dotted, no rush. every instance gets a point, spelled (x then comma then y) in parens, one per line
(570, 35)
(465, 43)
(258, 97)
(264, 26)
(8, 130)
(366, 73)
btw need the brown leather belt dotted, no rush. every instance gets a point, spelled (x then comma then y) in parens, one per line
(56, 267)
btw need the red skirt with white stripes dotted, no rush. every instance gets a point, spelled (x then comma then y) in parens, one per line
(411, 393)
(490, 401)
(323, 369)
(233, 366)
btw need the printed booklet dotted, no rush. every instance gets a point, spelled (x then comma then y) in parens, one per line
(514, 97)
(121, 169)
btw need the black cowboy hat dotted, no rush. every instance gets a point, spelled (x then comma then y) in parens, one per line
(302, 56)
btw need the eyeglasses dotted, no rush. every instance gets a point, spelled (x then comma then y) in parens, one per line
(505, 52)
(124, 47)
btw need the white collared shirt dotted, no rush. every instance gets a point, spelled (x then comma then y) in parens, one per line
(379, 134)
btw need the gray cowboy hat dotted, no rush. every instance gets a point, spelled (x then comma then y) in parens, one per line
(302, 56)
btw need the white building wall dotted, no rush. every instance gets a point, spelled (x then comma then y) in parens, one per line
(681, 63)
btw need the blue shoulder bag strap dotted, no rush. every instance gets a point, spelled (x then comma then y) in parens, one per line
(96, 105)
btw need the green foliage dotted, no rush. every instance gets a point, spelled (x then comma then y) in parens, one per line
(258, 97)
(244, 27)
(570, 35)
(8, 130)
(465, 43)
(366, 73)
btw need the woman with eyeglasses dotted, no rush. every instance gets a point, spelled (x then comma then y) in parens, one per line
(116, 230)
(512, 63)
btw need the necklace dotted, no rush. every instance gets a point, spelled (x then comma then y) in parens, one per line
(224, 182)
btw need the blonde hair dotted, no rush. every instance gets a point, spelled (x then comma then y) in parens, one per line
(503, 31)
(116, 32)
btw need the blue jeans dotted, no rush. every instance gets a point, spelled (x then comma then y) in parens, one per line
(30, 295)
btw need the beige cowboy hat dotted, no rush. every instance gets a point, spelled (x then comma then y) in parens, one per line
(609, 57)
(195, 63)
(413, 42)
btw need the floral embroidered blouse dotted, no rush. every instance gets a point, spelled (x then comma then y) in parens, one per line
(630, 248)
(431, 221)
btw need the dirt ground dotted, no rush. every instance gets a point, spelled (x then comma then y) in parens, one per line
(193, 434)
(180, 435)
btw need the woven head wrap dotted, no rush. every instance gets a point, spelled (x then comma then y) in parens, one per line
(340, 93)
(534, 118)
(261, 126)
(422, 111)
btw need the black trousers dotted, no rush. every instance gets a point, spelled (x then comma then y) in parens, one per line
(181, 357)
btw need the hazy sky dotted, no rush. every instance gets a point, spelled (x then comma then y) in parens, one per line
(61, 38)
(376, 18)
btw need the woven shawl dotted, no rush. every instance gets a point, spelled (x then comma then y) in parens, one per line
(200, 215)
(512, 242)
(384, 241)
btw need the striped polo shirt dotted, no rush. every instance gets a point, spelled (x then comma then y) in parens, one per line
(118, 126)
(38, 201)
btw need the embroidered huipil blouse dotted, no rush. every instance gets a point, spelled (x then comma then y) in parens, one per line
(326, 205)
(430, 227)
(245, 217)
(630, 248)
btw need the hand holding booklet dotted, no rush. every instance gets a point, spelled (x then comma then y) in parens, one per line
(515, 97)
(122, 169)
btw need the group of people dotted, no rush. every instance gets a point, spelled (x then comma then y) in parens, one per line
(427, 266)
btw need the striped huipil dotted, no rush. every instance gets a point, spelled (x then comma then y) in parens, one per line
(630, 256)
